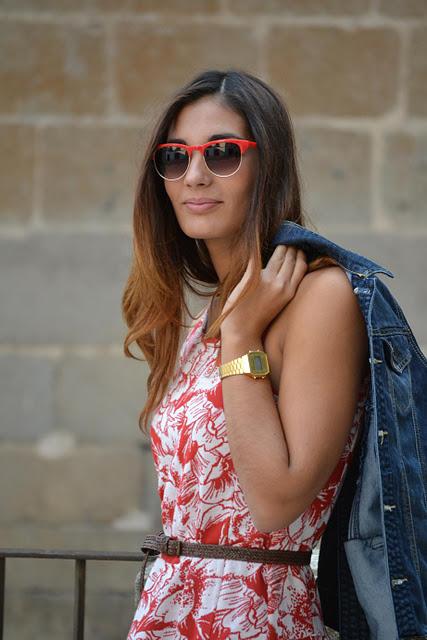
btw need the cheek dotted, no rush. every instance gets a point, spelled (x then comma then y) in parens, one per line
(244, 186)
(171, 191)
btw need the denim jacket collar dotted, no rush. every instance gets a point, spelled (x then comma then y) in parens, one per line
(314, 244)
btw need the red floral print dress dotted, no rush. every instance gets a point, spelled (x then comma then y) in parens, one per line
(202, 501)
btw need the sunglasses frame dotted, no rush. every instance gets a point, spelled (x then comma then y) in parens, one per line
(243, 145)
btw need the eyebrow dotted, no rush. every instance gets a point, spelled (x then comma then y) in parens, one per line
(216, 136)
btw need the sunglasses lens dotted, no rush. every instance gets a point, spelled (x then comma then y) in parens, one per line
(223, 158)
(171, 162)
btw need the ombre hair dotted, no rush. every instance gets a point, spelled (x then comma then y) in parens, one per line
(166, 262)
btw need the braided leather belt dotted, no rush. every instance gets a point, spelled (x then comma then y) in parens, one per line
(154, 544)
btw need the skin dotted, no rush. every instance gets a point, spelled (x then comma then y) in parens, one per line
(309, 324)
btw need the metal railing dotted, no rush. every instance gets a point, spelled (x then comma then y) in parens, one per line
(80, 557)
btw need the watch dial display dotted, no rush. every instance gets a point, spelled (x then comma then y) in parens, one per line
(258, 363)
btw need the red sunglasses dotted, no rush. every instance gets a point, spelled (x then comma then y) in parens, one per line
(222, 157)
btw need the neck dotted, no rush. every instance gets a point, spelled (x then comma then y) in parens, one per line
(212, 311)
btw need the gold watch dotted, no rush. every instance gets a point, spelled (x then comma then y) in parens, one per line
(253, 363)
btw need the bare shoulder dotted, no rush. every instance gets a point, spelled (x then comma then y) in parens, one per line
(332, 280)
(317, 291)
(326, 310)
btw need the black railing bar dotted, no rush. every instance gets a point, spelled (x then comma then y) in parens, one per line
(2, 588)
(66, 554)
(79, 599)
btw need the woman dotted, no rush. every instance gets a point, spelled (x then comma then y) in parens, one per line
(242, 461)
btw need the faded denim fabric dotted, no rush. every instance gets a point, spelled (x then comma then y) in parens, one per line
(372, 572)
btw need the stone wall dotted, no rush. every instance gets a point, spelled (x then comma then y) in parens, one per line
(80, 81)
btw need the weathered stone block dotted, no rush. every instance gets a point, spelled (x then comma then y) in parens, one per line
(99, 399)
(336, 176)
(88, 484)
(409, 284)
(153, 60)
(417, 74)
(403, 8)
(20, 484)
(89, 173)
(16, 172)
(26, 396)
(296, 7)
(64, 74)
(45, 5)
(335, 72)
(63, 288)
(166, 7)
(405, 179)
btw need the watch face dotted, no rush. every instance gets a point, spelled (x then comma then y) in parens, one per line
(258, 363)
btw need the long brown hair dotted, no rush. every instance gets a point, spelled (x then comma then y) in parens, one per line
(166, 261)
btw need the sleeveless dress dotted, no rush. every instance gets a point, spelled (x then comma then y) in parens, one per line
(202, 501)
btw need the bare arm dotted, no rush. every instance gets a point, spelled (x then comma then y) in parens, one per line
(284, 456)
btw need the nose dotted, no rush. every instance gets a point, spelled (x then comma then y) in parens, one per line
(197, 172)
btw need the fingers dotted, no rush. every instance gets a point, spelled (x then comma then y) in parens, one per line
(293, 266)
(277, 258)
(300, 268)
(285, 259)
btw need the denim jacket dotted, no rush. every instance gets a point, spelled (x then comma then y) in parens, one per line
(372, 571)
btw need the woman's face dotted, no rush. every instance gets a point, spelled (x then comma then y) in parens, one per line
(195, 124)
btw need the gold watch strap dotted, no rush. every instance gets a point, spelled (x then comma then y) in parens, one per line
(234, 367)
(249, 364)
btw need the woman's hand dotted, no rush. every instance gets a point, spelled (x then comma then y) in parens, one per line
(278, 284)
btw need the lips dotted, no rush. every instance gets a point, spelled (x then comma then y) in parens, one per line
(198, 206)
(200, 201)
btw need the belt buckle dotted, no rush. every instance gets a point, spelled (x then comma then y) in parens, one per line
(171, 546)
